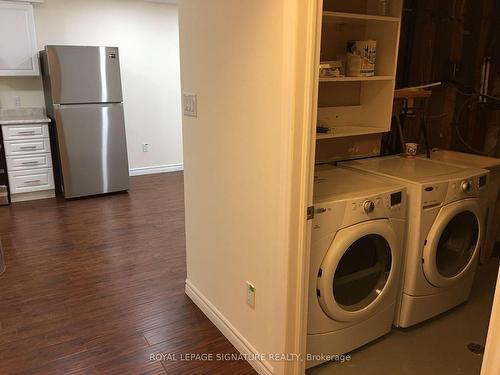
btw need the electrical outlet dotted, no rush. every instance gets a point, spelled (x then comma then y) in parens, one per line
(190, 105)
(17, 101)
(145, 147)
(250, 295)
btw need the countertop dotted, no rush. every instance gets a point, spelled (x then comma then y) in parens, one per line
(21, 116)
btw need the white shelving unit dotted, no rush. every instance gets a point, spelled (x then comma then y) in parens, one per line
(352, 106)
(342, 17)
(348, 131)
(356, 79)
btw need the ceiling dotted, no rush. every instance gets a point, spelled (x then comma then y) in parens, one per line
(162, 1)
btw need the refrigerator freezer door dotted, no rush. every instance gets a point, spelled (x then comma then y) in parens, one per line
(92, 149)
(84, 74)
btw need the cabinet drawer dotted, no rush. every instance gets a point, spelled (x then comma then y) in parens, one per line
(31, 180)
(35, 146)
(28, 131)
(15, 163)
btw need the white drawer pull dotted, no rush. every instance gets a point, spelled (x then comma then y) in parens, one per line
(30, 163)
(32, 182)
(28, 147)
(26, 132)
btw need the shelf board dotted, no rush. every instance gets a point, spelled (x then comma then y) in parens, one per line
(349, 131)
(356, 79)
(341, 17)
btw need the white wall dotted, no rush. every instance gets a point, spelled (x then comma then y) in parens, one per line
(238, 57)
(28, 89)
(147, 35)
(491, 361)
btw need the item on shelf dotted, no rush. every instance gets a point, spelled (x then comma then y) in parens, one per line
(322, 128)
(329, 69)
(383, 7)
(361, 57)
(411, 150)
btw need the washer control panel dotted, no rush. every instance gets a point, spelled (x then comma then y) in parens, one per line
(331, 216)
(379, 206)
(368, 206)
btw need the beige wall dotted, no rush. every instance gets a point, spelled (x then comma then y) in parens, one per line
(147, 35)
(491, 360)
(239, 57)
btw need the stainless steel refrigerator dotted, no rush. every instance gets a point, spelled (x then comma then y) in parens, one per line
(83, 96)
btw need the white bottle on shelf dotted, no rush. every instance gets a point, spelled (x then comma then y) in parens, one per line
(383, 7)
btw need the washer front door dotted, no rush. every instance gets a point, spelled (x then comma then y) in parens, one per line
(358, 271)
(453, 242)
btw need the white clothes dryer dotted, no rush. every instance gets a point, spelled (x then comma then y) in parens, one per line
(355, 264)
(445, 230)
(491, 198)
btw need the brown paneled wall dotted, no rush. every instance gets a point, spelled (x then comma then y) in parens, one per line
(448, 40)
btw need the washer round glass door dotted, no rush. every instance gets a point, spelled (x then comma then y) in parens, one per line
(453, 243)
(358, 270)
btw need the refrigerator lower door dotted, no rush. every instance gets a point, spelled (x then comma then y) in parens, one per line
(92, 149)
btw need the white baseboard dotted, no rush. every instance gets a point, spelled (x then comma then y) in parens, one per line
(30, 196)
(263, 367)
(156, 169)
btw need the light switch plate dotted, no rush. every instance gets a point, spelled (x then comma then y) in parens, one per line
(190, 105)
(250, 295)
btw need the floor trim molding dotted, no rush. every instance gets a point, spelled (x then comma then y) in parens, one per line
(156, 169)
(32, 195)
(263, 367)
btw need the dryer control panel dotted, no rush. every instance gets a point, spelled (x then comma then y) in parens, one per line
(469, 187)
(435, 194)
(333, 216)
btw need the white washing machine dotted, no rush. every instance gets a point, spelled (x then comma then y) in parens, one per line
(356, 255)
(444, 234)
(492, 196)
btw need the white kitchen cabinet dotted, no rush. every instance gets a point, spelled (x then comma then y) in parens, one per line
(20, 132)
(23, 162)
(29, 181)
(18, 49)
(27, 147)
(29, 161)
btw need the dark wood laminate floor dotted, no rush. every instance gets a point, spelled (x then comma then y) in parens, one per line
(95, 286)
